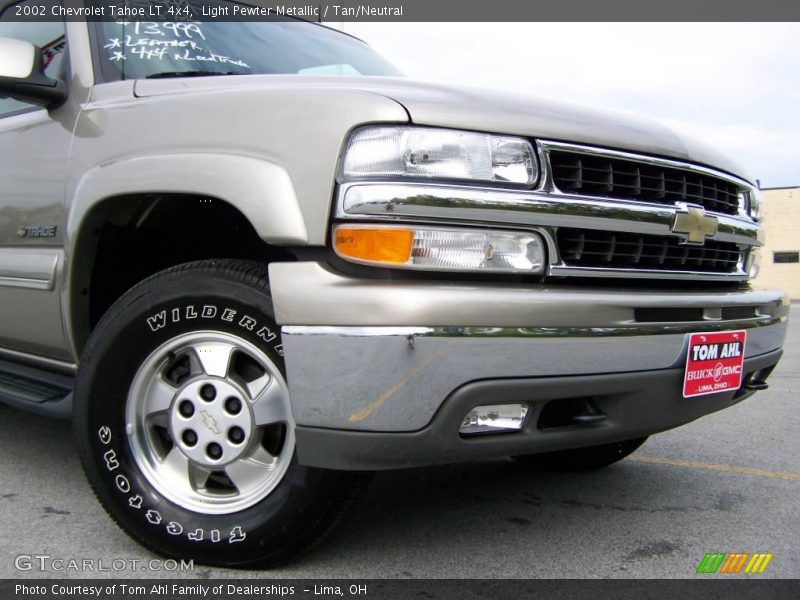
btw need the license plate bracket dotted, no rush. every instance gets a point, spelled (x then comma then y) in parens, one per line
(714, 362)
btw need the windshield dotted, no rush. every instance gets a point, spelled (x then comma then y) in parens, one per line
(136, 50)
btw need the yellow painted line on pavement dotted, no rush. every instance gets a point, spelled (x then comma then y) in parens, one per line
(375, 404)
(694, 464)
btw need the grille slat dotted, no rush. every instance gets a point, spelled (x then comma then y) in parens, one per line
(610, 249)
(627, 179)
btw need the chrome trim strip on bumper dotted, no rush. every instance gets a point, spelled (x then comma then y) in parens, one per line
(637, 329)
(406, 332)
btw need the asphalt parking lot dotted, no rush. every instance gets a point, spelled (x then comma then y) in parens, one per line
(726, 483)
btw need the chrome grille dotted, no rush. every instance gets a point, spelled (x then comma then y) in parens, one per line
(592, 174)
(609, 249)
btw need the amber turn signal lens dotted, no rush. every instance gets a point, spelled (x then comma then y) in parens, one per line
(375, 245)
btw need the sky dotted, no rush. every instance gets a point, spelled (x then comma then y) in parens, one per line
(733, 85)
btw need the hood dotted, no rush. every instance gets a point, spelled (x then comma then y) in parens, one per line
(484, 110)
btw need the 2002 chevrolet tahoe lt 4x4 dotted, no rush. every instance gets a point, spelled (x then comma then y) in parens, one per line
(248, 288)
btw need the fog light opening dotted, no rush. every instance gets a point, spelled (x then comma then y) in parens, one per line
(496, 418)
(566, 412)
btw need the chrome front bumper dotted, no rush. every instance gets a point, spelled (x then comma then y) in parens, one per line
(628, 406)
(383, 356)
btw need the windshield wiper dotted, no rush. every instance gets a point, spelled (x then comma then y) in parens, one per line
(167, 74)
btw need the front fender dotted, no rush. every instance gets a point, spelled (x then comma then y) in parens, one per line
(261, 190)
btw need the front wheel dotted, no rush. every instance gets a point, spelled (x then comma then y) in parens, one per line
(184, 424)
(581, 459)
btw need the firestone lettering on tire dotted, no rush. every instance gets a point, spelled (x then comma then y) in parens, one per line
(174, 528)
(111, 460)
(154, 517)
(123, 484)
(237, 535)
(104, 433)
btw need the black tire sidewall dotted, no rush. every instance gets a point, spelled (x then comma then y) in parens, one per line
(275, 526)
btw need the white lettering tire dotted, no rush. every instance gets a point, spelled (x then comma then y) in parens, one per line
(184, 425)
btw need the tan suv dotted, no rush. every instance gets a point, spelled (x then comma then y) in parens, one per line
(254, 264)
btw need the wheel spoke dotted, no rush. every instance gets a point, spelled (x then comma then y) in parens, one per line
(182, 473)
(270, 404)
(159, 419)
(159, 397)
(262, 456)
(256, 386)
(247, 474)
(214, 357)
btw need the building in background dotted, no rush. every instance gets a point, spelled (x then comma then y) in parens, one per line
(780, 255)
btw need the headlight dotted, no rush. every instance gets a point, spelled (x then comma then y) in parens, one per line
(440, 248)
(428, 153)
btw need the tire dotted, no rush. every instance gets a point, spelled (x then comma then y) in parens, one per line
(581, 459)
(184, 427)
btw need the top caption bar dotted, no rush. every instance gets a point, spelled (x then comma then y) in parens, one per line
(401, 10)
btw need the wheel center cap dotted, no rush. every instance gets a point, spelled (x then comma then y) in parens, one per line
(211, 422)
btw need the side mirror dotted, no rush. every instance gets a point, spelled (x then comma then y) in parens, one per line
(22, 75)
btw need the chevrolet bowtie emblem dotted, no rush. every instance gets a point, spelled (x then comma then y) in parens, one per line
(210, 422)
(695, 224)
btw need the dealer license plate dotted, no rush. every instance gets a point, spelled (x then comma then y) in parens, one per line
(714, 363)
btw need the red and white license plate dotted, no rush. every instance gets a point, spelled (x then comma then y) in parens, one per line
(714, 363)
